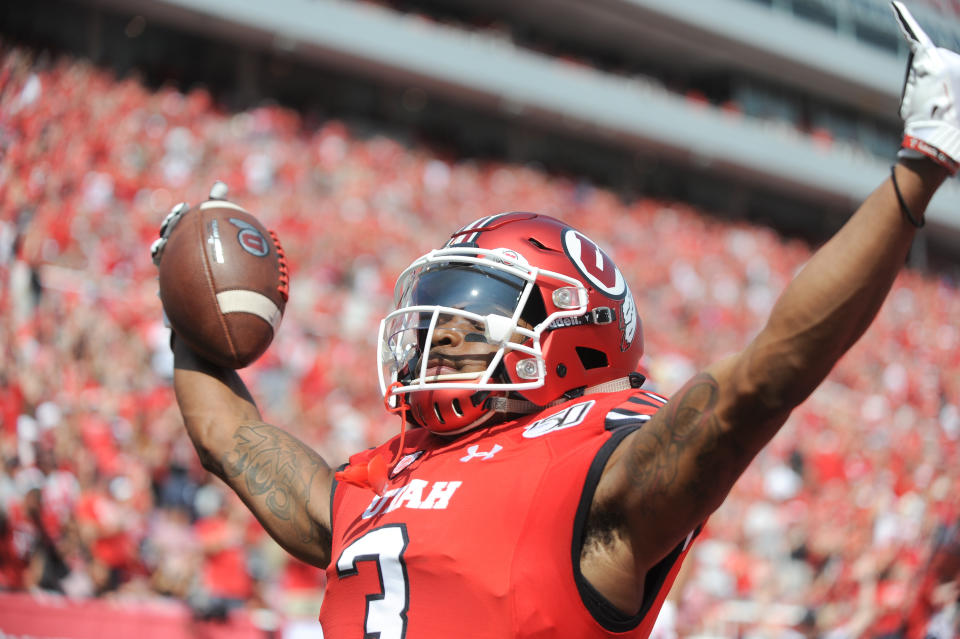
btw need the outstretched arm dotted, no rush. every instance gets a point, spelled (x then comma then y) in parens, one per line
(284, 482)
(666, 478)
(679, 467)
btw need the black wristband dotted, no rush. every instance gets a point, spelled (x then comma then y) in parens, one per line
(903, 205)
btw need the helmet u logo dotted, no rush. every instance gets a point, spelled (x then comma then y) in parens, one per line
(594, 264)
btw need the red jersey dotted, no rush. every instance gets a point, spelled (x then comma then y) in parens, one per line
(479, 535)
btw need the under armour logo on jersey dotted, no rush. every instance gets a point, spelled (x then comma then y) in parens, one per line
(474, 452)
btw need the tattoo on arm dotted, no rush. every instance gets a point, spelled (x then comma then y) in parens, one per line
(279, 469)
(654, 461)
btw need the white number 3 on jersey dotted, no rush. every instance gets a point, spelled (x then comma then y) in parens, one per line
(387, 611)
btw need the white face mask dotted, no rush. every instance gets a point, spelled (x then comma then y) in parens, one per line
(475, 298)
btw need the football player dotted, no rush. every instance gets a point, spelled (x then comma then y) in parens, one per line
(536, 490)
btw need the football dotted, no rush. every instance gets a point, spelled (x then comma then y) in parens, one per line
(223, 283)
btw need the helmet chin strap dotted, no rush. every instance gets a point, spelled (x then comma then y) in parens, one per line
(524, 407)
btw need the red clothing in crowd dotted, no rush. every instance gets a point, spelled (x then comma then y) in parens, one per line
(224, 569)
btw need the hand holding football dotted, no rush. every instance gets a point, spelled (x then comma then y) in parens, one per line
(223, 282)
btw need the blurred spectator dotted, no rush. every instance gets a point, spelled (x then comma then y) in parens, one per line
(225, 582)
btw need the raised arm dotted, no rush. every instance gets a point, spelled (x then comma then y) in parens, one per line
(678, 468)
(282, 481)
(666, 478)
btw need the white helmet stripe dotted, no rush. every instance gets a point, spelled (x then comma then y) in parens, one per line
(464, 237)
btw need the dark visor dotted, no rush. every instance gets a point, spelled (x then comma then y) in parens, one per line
(467, 287)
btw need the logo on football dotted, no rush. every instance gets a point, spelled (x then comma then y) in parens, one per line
(251, 240)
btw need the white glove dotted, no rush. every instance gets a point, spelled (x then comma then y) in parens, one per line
(217, 192)
(166, 228)
(928, 106)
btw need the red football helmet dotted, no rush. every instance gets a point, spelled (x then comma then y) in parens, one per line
(542, 312)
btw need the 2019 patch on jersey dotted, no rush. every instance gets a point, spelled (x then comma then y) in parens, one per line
(566, 418)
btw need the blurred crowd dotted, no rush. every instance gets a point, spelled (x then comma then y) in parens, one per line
(843, 527)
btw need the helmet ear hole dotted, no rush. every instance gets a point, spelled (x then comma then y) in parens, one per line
(592, 358)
